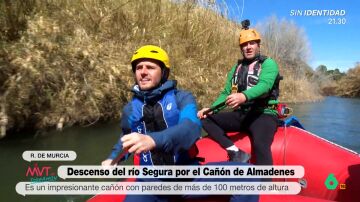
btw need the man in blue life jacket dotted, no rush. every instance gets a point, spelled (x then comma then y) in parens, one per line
(160, 124)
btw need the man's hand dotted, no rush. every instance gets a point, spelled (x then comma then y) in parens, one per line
(106, 162)
(235, 100)
(201, 114)
(138, 143)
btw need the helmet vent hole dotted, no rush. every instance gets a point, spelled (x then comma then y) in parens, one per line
(154, 51)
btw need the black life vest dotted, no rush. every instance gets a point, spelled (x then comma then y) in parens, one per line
(155, 116)
(246, 76)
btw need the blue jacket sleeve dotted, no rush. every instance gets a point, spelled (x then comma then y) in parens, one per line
(125, 129)
(183, 135)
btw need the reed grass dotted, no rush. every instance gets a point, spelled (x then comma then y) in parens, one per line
(349, 85)
(69, 63)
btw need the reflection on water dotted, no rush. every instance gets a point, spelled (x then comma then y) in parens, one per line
(92, 145)
(335, 119)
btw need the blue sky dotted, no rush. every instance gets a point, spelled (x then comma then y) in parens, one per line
(334, 45)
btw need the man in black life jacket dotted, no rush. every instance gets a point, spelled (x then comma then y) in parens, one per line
(252, 84)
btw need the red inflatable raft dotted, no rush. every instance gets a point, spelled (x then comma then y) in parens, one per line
(293, 145)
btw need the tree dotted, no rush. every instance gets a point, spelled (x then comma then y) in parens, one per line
(321, 69)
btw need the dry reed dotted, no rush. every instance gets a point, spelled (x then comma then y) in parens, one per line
(69, 63)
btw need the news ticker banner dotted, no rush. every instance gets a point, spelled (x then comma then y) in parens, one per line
(157, 188)
(44, 182)
(203, 171)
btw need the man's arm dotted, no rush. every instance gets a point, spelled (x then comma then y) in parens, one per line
(268, 74)
(183, 135)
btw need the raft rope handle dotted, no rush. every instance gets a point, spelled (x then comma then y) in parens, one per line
(284, 152)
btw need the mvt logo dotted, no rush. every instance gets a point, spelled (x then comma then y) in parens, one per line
(40, 174)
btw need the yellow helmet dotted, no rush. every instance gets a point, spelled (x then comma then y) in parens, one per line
(247, 34)
(150, 52)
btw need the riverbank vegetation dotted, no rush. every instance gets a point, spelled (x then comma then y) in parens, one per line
(327, 80)
(67, 62)
(288, 45)
(336, 83)
(349, 84)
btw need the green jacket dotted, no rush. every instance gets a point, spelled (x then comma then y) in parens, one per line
(267, 77)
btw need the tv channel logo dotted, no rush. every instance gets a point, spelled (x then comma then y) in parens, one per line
(331, 182)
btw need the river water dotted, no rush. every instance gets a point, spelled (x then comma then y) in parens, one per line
(335, 119)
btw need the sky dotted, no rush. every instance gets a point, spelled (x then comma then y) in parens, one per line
(335, 45)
